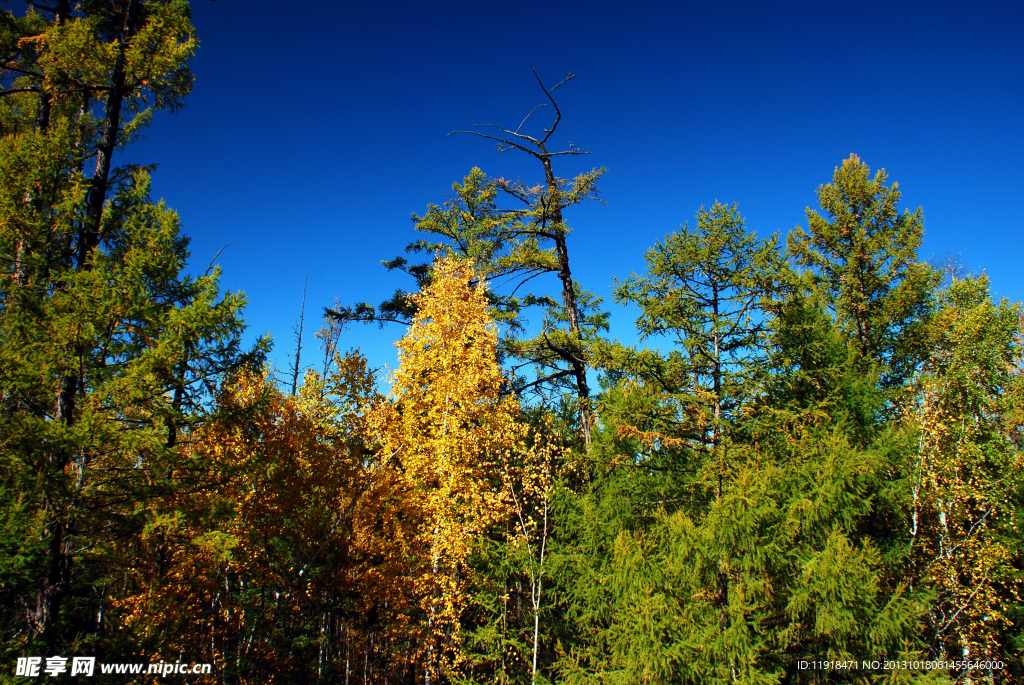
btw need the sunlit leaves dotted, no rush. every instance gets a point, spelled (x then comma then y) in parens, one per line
(447, 428)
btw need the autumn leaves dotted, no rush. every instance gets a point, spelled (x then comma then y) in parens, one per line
(343, 513)
(451, 433)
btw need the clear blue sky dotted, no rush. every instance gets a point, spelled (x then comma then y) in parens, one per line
(315, 129)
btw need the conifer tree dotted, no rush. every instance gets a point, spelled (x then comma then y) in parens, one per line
(704, 289)
(107, 350)
(863, 255)
(681, 567)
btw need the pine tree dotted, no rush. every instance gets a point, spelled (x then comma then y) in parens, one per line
(704, 288)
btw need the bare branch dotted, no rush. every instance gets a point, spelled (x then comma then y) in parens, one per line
(558, 112)
(536, 272)
(210, 267)
(574, 151)
(298, 333)
(338, 316)
(511, 133)
(501, 141)
(547, 132)
(519, 128)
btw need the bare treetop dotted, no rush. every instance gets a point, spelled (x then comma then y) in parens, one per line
(505, 144)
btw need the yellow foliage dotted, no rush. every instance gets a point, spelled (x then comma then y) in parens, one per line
(448, 431)
(964, 473)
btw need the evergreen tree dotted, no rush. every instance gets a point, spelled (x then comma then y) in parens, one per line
(734, 528)
(704, 288)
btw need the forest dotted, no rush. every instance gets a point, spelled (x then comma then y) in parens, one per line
(807, 470)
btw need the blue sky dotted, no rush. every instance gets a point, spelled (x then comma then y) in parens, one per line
(314, 130)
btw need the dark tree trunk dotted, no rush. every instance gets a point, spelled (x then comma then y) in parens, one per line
(574, 357)
(55, 584)
(61, 11)
(111, 127)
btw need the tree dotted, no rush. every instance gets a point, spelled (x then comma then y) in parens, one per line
(804, 583)
(704, 288)
(741, 512)
(863, 255)
(108, 352)
(515, 246)
(447, 429)
(964, 481)
(263, 570)
(505, 636)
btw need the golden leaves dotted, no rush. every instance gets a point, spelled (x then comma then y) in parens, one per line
(448, 430)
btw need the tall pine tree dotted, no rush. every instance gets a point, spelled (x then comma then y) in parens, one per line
(862, 253)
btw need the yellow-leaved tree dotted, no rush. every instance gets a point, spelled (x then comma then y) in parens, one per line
(967, 469)
(447, 429)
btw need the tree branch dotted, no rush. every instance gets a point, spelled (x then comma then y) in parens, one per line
(558, 112)
(501, 141)
(552, 377)
(528, 116)
(10, 91)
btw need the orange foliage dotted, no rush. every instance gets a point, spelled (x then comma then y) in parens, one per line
(260, 547)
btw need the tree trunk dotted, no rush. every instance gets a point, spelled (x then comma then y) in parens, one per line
(574, 357)
(61, 11)
(111, 127)
(55, 584)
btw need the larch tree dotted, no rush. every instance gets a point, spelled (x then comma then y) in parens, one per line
(704, 289)
(107, 351)
(862, 253)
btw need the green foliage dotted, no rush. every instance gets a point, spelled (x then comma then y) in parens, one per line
(107, 351)
(508, 248)
(773, 571)
(704, 288)
(515, 246)
(863, 254)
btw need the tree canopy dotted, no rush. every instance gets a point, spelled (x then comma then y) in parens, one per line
(808, 469)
